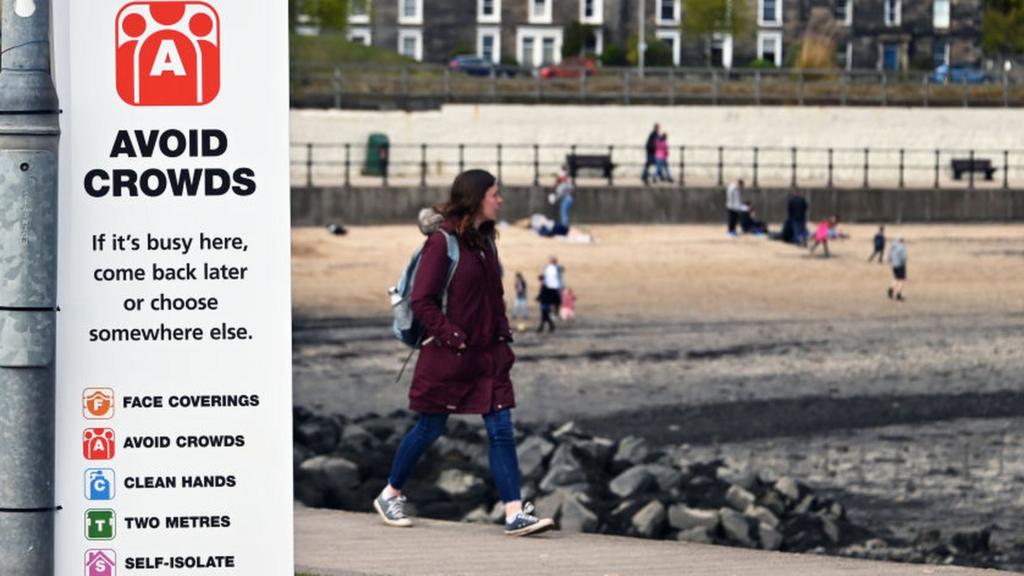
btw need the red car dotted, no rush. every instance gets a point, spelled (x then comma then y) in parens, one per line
(570, 68)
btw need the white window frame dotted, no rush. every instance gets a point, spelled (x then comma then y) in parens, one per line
(676, 37)
(360, 18)
(849, 14)
(598, 17)
(778, 14)
(936, 23)
(414, 20)
(775, 36)
(726, 40)
(599, 40)
(677, 12)
(848, 48)
(890, 19)
(494, 31)
(544, 18)
(416, 33)
(545, 41)
(485, 19)
(364, 31)
(538, 33)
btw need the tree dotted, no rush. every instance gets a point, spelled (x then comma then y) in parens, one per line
(658, 54)
(817, 50)
(706, 18)
(614, 55)
(1002, 27)
(330, 15)
(575, 38)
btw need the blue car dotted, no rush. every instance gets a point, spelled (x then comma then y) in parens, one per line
(958, 74)
(476, 66)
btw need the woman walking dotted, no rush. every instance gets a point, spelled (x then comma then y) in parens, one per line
(465, 360)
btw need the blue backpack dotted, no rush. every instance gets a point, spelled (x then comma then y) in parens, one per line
(405, 326)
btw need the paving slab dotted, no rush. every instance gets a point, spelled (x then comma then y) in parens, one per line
(337, 543)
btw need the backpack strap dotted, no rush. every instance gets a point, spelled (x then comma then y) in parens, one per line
(453, 256)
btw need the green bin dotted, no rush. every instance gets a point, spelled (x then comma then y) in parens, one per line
(377, 152)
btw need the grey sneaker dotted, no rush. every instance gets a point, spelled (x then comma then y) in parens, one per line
(525, 523)
(390, 510)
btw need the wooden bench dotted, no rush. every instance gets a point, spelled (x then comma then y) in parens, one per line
(603, 162)
(961, 165)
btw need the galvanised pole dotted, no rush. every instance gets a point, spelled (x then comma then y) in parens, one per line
(29, 133)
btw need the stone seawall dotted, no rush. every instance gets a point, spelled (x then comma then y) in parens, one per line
(605, 205)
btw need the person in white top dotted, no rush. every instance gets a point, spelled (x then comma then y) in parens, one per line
(550, 293)
(734, 204)
(553, 274)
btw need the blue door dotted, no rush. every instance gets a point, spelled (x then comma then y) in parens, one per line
(891, 57)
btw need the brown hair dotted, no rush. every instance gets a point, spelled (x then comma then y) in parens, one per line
(464, 202)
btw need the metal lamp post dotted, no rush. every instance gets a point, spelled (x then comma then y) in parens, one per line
(29, 133)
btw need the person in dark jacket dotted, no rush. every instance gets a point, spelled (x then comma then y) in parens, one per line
(879, 245)
(796, 217)
(651, 148)
(465, 360)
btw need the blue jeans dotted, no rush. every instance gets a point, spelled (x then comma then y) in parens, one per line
(429, 427)
(647, 165)
(661, 170)
(567, 201)
(521, 309)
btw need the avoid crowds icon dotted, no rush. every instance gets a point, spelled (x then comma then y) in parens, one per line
(98, 443)
(168, 53)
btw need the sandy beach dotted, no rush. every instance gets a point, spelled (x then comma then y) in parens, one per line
(745, 349)
(692, 272)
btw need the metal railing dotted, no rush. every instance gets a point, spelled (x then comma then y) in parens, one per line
(426, 85)
(436, 164)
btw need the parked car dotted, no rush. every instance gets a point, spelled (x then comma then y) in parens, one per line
(959, 74)
(477, 66)
(570, 68)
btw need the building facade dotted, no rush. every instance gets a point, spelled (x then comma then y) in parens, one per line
(864, 34)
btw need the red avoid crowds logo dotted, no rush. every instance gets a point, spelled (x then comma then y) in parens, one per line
(168, 53)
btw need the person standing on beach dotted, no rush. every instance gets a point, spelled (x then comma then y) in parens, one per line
(565, 193)
(821, 235)
(879, 245)
(734, 204)
(520, 310)
(550, 296)
(652, 143)
(465, 361)
(568, 310)
(796, 214)
(898, 260)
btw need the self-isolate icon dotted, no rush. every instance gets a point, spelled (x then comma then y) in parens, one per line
(99, 524)
(98, 403)
(99, 484)
(100, 563)
(98, 443)
(168, 53)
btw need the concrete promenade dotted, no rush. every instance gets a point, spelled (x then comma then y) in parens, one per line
(336, 543)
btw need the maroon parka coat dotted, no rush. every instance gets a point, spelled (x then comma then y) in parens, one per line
(474, 380)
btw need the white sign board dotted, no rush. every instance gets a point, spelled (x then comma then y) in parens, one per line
(174, 335)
